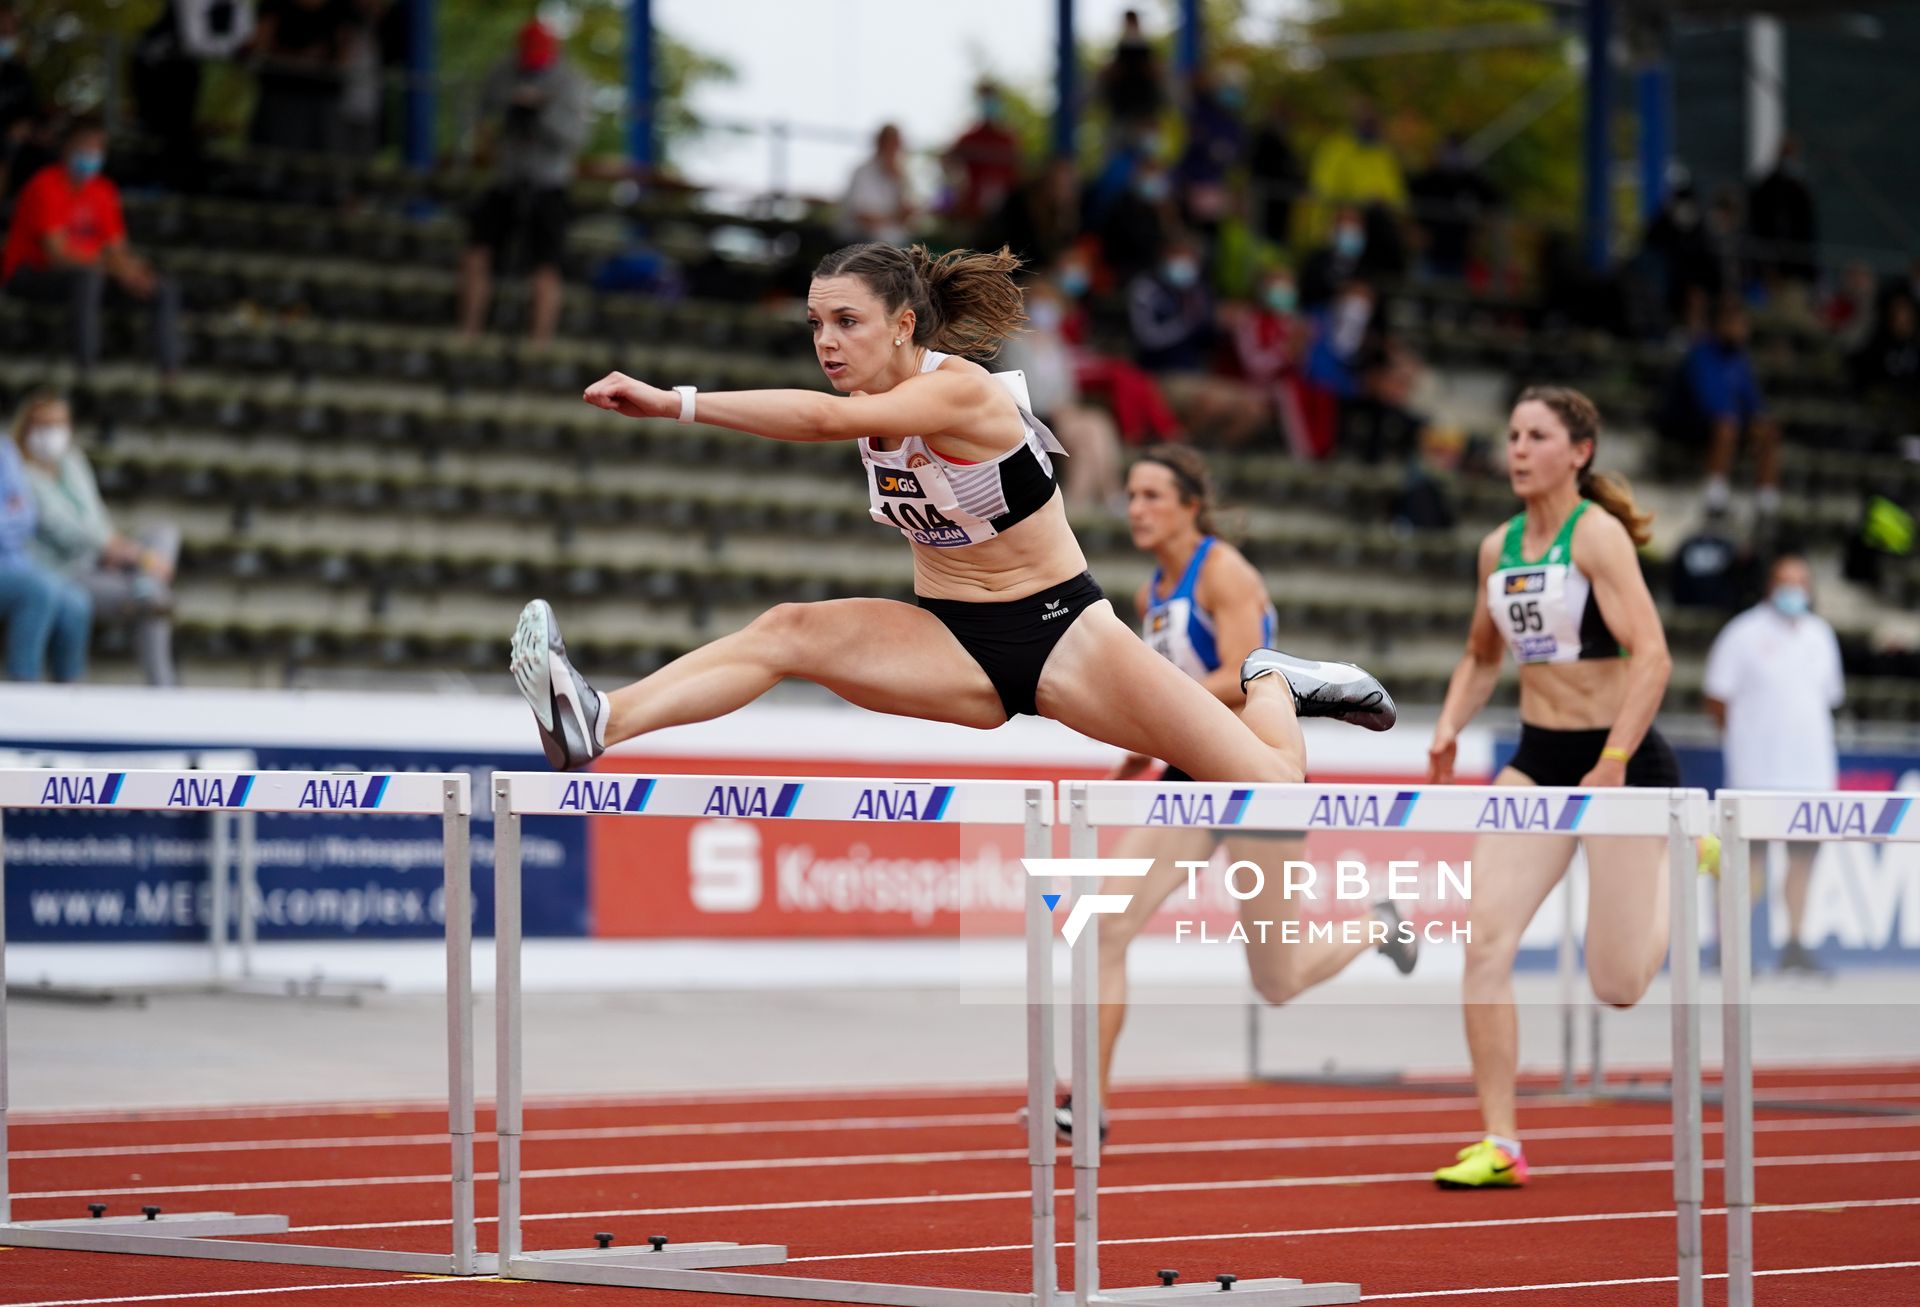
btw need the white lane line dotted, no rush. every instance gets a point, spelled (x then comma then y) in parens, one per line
(1644, 1279)
(1410, 1227)
(1658, 1130)
(1165, 1187)
(246, 1293)
(903, 1094)
(822, 1125)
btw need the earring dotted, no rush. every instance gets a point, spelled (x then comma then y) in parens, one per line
(898, 342)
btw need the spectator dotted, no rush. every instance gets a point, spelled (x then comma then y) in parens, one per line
(1171, 319)
(1716, 401)
(1680, 255)
(1850, 310)
(986, 158)
(1354, 168)
(1274, 172)
(125, 580)
(1886, 370)
(18, 105)
(878, 205)
(1266, 344)
(1139, 407)
(1772, 682)
(1347, 255)
(1040, 220)
(1782, 224)
(1344, 340)
(534, 124)
(46, 617)
(362, 92)
(68, 245)
(1043, 353)
(1216, 142)
(1451, 199)
(300, 51)
(1133, 87)
(1134, 228)
(166, 80)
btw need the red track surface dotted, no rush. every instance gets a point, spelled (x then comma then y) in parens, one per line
(1317, 1182)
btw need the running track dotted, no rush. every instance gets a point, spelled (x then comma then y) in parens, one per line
(928, 1187)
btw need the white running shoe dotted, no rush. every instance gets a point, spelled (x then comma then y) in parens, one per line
(1339, 690)
(566, 709)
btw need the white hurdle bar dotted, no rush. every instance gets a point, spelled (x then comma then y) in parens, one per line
(195, 1234)
(687, 1266)
(1747, 817)
(1678, 815)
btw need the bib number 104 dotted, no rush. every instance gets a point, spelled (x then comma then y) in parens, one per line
(910, 517)
(1525, 616)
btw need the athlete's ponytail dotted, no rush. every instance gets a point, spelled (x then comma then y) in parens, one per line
(1607, 489)
(964, 301)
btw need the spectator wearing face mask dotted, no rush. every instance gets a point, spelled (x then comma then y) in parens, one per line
(1171, 318)
(985, 161)
(1343, 258)
(1266, 342)
(46, 618)
(1135, 226)
(1046, 356)
(1353, 167)
(126, 579)
(1772, 682)
(1138, 405)
(68, 245)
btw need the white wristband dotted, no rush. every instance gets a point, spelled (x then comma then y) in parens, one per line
(686, 401)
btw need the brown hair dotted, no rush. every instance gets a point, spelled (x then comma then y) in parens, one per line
(1190, 477)
(964, 301)
(1607, 489)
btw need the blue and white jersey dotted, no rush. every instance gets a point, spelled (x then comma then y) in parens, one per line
(1180, 630)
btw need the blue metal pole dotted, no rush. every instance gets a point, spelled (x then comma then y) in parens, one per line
(1651, 91)
(1066, 104)
(1598, 151)
(1187, 53)
(420, 75)
(640, 88)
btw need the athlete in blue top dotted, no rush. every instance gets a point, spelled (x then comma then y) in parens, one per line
(1205, 609)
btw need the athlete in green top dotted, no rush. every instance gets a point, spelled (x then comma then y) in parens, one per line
(1561, 588)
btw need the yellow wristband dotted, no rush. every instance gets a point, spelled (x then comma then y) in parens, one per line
(1613, 753)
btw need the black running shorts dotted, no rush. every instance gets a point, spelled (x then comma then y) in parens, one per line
(1549, 757)
(1011, 640)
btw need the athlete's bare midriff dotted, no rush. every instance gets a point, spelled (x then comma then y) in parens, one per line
(1582, 696)
(1026, 558)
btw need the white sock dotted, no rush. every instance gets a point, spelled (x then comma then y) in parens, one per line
(1768, 499)
(1718, 495)
(1511, 1147)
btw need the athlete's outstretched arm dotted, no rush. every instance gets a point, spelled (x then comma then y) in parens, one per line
(1606, 554)
(1473, 678)
(960, 404)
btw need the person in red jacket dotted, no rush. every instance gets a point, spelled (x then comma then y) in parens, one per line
(68, 244)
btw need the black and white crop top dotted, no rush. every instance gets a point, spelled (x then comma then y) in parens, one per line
(948, 503)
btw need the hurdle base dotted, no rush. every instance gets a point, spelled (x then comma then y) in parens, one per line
(681, 1256)
(650, 1274)
(1275, 1291)
(192, 1234)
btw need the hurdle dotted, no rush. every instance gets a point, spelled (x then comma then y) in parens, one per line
(691, 1266)
(202, 1234)
(1746, 817)
(1678, 815)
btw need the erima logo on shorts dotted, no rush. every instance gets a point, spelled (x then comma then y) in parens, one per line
(1526, 583)
(899, 485)
(1087, 906)
(1054, 608)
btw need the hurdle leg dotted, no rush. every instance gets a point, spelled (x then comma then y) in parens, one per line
(6, 1199)
(1736, 1071)
(1040, 1065)
(1085, 1038)
(219, 846)
(246, 892)
(1684, 968)
(506, 1016)
(458, 896)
